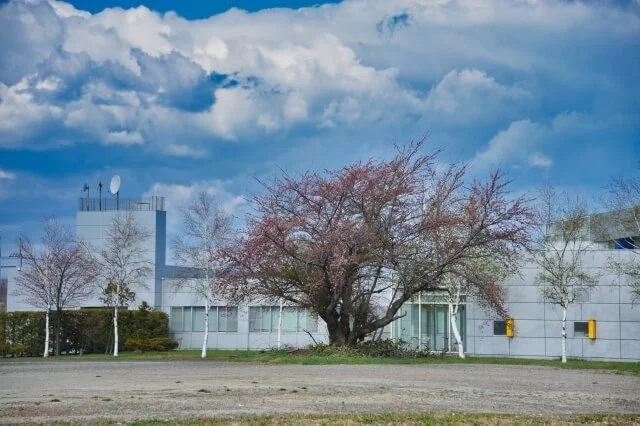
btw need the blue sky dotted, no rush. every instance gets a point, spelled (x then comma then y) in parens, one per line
(205, 97)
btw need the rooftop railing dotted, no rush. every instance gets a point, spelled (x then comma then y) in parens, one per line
(153, 203)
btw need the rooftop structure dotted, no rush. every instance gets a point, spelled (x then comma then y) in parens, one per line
(153, 203)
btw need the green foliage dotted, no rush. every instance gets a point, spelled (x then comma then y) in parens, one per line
(371, 348)
(83, 331)
(156, 344)
(117, 294)
(22, 333)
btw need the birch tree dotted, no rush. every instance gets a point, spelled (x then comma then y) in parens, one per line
(331, 242)
(480, 280)
(623, 226)
(205, 229)
(59, 274)
(124, 264)
(561, 244)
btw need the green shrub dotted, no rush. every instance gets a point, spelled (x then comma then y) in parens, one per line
(370, 348)
(156, 344)
(82, 331)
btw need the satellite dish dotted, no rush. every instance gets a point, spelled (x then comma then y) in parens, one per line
(114, 188)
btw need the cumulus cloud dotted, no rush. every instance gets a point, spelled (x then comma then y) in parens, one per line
(137, 77)
(513, 145)
(470, 94)
(179, 196)
(540, 160)
(569, 134)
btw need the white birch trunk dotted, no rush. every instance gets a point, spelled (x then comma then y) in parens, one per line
(280, 327)
(46, 333)
(115, 331)
(456, 332)
(564, 334)
(454, 305)
(205, 340)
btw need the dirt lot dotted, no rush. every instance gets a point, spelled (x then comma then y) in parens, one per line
(93, 391)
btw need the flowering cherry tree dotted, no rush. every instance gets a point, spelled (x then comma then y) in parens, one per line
(354, 244)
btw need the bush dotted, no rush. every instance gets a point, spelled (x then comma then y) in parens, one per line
(156, 344)
(370, 348)
(82, 331)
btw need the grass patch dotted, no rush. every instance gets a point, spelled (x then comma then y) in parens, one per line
(403, 419)
(282, 357)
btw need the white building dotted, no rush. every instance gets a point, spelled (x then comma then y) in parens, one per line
(536, 323)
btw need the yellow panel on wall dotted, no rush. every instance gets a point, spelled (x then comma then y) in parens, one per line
(591, 329)
(510, 327)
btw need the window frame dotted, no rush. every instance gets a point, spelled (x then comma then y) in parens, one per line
(499, 325)
(579, 334)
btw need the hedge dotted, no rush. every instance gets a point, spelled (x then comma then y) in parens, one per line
(83, 331)
(157, 344)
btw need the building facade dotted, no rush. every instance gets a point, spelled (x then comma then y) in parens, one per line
(537, 324)
(425, 322)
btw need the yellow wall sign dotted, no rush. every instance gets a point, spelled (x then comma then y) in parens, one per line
(591, 329)
(510, 327)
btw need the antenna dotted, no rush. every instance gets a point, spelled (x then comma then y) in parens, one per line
(100, 190)
(86, 189)
(114, 188)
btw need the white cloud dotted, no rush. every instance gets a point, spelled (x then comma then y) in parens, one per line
(20, 115)
(49, 84)
(182, 150)
(540, 160)
(138, 77)
(513, 146)
(124, 138)
(7, 175)
(535, 143)
(471, 93)
(179, 196)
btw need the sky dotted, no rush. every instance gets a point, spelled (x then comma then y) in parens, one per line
(183, 97)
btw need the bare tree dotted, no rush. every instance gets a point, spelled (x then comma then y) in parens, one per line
(205, 229)
(124, 265)
(622, 225)
(353, 245)
(481, 279)
(561, 244)
(60, 274)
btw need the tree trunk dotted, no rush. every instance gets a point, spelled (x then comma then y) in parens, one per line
(205, 339)
(456, 332)
(46, 333)
(115, 330)
(564, 334)
(58, 331)
(337, 335)
(280, 327)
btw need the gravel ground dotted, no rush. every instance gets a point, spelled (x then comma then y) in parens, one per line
(40, 392)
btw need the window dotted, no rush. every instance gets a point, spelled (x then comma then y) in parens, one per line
(177, 318)
(629, 243)
(191, 318)
(580, 329)
(499, 328)
(198, 318)
(307, 321)
(259, 318)
(227, 318)
(266, 319)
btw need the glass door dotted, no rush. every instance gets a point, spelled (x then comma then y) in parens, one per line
(442, 328)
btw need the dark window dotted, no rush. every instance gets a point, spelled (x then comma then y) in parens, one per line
(499, 328)
(580, 329)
